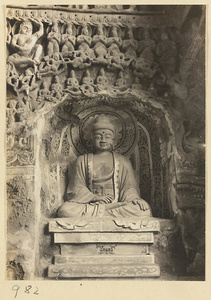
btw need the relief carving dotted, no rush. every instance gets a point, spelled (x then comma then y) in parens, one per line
(85, 44)
(84, 57)
(52, 65)
(56, 90)
(24, 43)
(72, 84)
(106, 248)
(102, 80)
(99, 42)
(53, 39)
(105, 271)
(68, 39)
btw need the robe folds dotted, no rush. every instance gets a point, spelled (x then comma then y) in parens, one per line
(80, 192)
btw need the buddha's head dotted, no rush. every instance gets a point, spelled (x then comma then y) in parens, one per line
(103, 134)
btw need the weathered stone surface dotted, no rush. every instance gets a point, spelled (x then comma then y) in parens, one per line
(113, 270)
(104, 224)
(163, 91)
(107, 259)
(103, 237)
(104, 249)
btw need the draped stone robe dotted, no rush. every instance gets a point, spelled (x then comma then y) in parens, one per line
(83, 187)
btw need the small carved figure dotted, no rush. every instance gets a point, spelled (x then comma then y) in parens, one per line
(54, 39)
(102, 80)
(86, 54)
(100, 41)
(10, 114)
(56, 88)
(72, 84)
(120, 82)
(136, 84)
(43, 93)
(84, 37)
(114, 37)
(52, 65)
(82, 58)
(87, 86)
(21, 116)
(129, 46)
(27, 81)
(146, 47)
(145, 68)
(103, 183)
(74, 58)
(68, 39)
(120, 86)
(28, 52)
(116, 59)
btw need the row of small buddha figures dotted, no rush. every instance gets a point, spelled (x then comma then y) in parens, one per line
(54, 91)
(80, 49)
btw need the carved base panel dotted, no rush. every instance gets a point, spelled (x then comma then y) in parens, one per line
(104, 259)
(103, 271)
(103, 249)
(87, 224)
(103, 237)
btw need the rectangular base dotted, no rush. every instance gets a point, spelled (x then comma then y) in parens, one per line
(104, 237)
(107, 248)
(103, 271)
(103, 249)
(104, 259)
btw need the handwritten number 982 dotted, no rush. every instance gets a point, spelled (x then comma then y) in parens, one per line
(27, 290)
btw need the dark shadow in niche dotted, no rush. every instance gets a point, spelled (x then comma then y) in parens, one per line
(45, 273)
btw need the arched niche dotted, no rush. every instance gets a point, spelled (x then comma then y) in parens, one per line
(144, 137)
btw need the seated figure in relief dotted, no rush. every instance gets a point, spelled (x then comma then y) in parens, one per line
(28, 52)
(102, 183)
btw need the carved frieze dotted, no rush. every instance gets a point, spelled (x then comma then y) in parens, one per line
(71, 42)
(75, 15)
(108, 259)
(104, 224)
(113, 270)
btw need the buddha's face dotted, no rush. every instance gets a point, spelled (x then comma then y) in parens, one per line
(103, 139)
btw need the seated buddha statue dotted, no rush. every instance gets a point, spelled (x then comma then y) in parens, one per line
(102, 183)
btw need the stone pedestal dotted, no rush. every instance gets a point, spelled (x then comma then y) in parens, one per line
(104, 247)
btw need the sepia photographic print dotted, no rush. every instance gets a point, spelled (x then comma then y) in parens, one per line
(105, 142)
